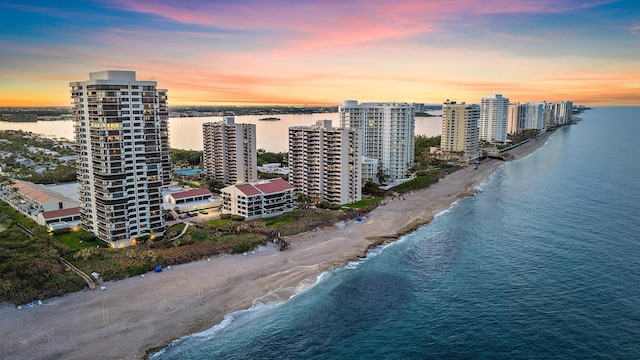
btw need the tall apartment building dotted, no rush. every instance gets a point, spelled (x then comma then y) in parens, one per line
(534, 115)
(121, 132)
(526, 116)
(515, 118)
(229, 151)
(558, 113)
(494, 113)
(387, 133)
(460, 128)
(325, 162)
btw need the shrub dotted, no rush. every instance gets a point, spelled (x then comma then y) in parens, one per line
(86, 254)
(87, 236)
(61, 231)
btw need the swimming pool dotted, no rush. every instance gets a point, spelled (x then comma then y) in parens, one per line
(189, 172)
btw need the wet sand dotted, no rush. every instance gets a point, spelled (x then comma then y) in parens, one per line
(138, 314)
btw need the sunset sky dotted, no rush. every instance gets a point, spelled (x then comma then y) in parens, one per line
(323, 52)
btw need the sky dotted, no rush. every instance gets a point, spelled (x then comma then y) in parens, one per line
(306, 52)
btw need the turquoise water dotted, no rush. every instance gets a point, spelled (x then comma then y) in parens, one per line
(543, 263)
(189, 172)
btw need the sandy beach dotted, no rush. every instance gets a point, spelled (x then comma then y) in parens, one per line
(142, 313)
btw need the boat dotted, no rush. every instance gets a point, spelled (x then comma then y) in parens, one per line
(269, 119)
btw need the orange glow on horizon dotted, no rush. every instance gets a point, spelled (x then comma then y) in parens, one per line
(323, 52)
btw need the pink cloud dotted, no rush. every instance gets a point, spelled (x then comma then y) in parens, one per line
(635, 30)
(322, 24)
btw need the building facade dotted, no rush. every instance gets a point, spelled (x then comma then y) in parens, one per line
(460, 128)
(257, 200)
(121, 132)
(229, 151)
(515, 118)
(558, 113)
(387, 133)
(534, 115)
(494, 113)
(325, 162)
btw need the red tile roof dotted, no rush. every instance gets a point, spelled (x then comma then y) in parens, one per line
(282, 184)
(60, 213)
(191, 193)
(36, 192)
(265, 187)
(248, 189)
(273, 186)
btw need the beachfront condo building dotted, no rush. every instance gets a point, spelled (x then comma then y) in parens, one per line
(494, 113)
(256, 200)
(515, 118)
(325, 162)
(526, 116)
(558, 113)
(121, 133)
(387, 133)
(229, 151)
(460, 128)
(534, 115)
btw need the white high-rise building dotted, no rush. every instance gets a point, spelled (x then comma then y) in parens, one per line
(387, 133)
(534, 115)
(515, 118)
(558, 113)
(494, 114)
(460, 128)
(121, 132)
(325, 162)
(229, 151)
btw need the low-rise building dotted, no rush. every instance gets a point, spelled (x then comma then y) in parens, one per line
(181, 197)
(259, 199)
(56, 219)
(32, 199)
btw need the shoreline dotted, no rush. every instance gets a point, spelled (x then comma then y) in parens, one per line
(137, 317)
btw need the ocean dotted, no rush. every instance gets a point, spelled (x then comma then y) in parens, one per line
(542, 263)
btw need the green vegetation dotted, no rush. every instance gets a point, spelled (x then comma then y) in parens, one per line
(522, 136)
(30, 266)
(265, 157)
(217, 222)
(421, 149)
(73, 241)
(362, 203)
(50, 168)
(186, 158)
(281, 220)
(63, 173)
(424, 179)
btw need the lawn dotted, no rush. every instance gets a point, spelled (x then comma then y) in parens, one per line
(72, 240)
(217, 222)
(280, 220)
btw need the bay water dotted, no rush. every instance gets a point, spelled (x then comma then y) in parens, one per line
(542, 263)
(186, 132)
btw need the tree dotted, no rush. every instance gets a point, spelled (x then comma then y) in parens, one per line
(191, 158)
(265, 157)
(214, 185)
(382, 175)
(371, 188)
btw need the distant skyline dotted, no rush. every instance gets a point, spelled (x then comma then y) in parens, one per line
(275, 52)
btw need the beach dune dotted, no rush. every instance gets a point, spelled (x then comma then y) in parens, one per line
(138, 314)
